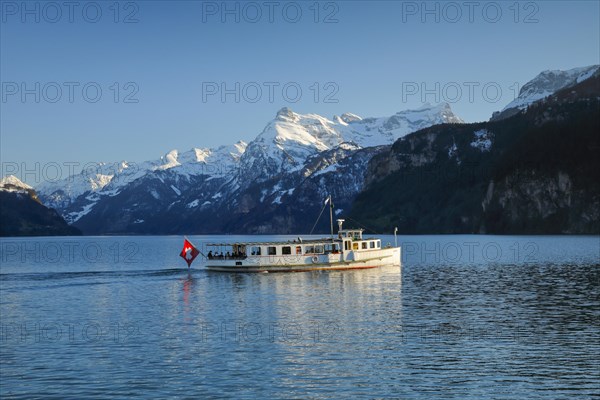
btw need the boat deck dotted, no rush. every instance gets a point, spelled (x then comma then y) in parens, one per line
(289, 242)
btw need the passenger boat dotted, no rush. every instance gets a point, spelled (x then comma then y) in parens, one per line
(348, 250)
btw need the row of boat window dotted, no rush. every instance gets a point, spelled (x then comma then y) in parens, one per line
(288, 250)
(313, 249)
(364, 245)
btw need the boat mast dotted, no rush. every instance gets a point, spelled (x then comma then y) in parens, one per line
(331, 216)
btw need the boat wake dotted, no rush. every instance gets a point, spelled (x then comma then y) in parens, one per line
(53, 276)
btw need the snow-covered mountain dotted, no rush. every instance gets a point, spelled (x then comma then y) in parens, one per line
(382, 131)
(291, 150)
(544, 85)
(201, 161)
(11, 183)
(285, 144)
(270, 184)
(108, 179)
(22, 213)
(274, 184)
(289, 139)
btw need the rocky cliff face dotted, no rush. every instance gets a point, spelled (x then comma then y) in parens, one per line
(535, 202)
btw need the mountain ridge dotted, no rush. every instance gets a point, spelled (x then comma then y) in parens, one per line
(536, 172)
(285, 146)
(545, 84)
(268, 185)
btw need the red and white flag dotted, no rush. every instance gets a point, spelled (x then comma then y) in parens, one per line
(189, 252)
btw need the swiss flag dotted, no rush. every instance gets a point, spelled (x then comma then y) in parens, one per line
(189, 252)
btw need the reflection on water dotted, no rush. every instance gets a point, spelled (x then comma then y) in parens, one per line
(188, 284)
(513, 323)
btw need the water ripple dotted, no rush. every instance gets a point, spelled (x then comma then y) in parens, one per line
(435, 329)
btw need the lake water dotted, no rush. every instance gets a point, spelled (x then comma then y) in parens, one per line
(467, 317)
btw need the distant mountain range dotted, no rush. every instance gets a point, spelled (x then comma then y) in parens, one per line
(277, 182)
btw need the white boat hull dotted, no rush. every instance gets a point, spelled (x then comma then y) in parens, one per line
(298, 263)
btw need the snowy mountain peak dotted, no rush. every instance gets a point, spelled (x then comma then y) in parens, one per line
(203, 155)
(169, 160)
(240, 146)
(549, 82)
(346, 118)
(442, 110)
(285, 113)
(231, 153)
(11, 183)
(349, 118)
(386, 130)
(291, 138)
(198, 155)
(305, 129)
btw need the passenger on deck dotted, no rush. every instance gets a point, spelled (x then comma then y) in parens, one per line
(210, 255)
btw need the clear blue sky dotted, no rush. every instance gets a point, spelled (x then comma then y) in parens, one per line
(371, 54)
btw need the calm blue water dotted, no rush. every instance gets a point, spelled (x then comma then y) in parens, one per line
(468, 317)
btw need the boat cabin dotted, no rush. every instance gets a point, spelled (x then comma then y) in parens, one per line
(353, 240)
(348, 240)
(355, 234)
